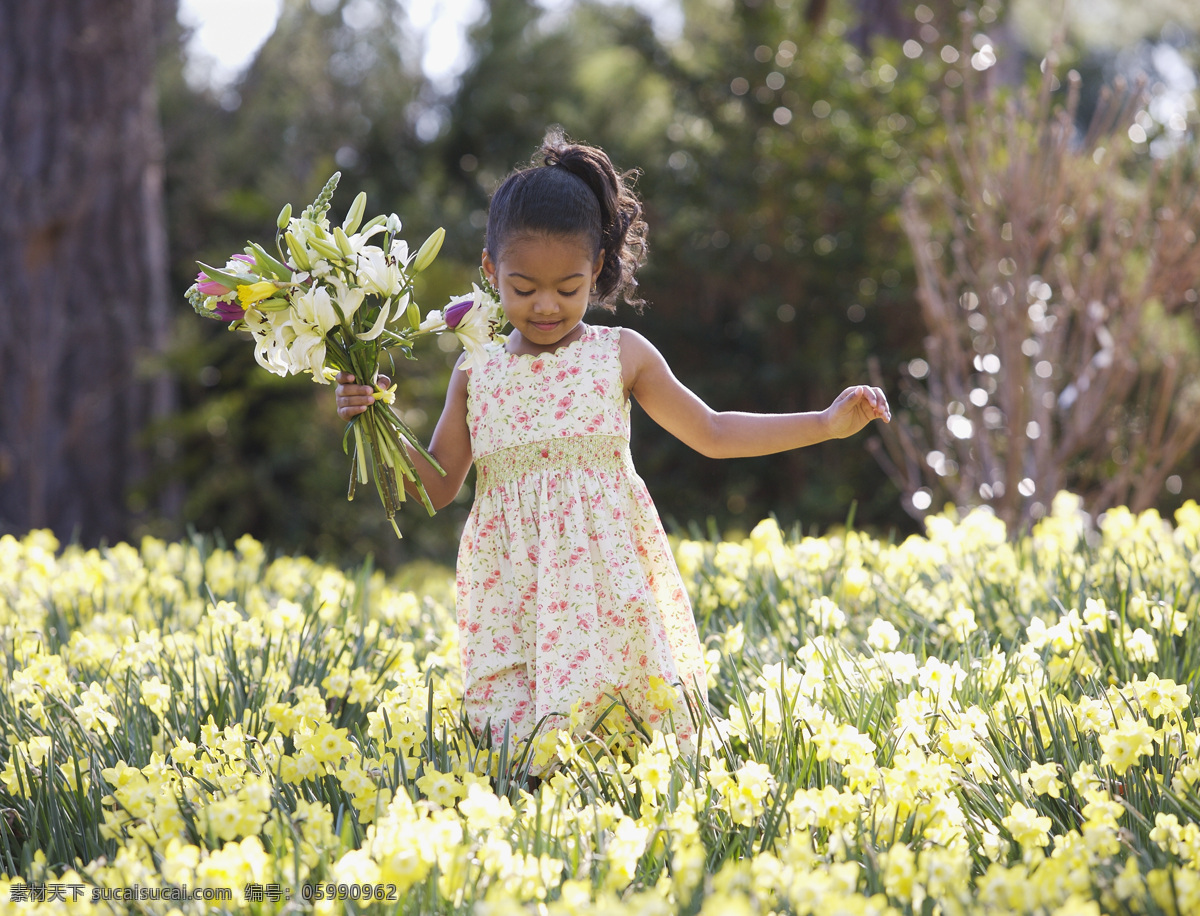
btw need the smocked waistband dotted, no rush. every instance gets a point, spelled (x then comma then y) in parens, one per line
(605, 453)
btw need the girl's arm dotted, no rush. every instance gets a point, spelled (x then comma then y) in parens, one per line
(731, 434)
(451, 442)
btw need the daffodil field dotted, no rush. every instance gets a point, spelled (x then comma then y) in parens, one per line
(958, 723)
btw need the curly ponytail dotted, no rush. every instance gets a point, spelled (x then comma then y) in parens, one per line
(573, 189)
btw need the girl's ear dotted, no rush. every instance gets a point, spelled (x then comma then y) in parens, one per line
(597, 267)
(489, 267)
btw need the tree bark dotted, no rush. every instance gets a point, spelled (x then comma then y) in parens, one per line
(83, 272)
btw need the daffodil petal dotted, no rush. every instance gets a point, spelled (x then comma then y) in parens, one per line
(251, 293)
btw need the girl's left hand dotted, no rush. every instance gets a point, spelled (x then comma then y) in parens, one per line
(854, 408)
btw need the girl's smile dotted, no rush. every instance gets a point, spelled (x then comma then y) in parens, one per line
(545, 284)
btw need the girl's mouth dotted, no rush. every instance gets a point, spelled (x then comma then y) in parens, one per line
(544, 325)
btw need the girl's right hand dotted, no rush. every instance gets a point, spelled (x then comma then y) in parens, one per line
(353, 399)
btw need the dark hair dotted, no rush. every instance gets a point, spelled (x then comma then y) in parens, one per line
(573, 189)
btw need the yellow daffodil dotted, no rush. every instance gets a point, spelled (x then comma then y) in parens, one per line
(251, 293)
(924, 775)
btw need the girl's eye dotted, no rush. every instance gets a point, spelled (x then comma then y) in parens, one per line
(523, 292)
(563, 292)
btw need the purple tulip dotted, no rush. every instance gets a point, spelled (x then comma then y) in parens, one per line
(210, 287)
(457, 312)
(213, 287)
(229, 311)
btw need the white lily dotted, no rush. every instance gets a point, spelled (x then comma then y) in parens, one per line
(273, 337)
(314, 309)
(433, 323)
(399, 251)
(378, 274)
(475, 333)
(473, 320)
(313, 317)
(358, 241)
(304, 229)
(380, 322)
(348, 300)
(308, 355)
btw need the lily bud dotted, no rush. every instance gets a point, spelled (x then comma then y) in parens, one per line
(324, 248)
(273, 304)
(373, 222)
(414, 315)
(299, 255)
(285, 216)
(429, 250)
(343, 242)
(354, 217)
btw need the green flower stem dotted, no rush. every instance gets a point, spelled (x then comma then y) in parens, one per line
(381, 438)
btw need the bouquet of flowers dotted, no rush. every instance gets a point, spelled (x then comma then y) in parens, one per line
(334, 300)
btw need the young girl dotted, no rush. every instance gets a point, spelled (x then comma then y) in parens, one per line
(568, 597)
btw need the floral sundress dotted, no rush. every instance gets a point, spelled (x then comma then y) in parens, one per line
(568, 597)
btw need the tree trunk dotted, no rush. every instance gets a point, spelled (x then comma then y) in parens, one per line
(83, 289)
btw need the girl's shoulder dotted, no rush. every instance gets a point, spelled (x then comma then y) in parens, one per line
(636, 353)
(630, 341)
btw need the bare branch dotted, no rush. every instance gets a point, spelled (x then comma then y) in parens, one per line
(1057, 278)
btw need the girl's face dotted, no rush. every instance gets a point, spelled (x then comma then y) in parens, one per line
(545, 283)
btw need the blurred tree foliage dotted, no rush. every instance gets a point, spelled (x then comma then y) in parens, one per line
(774, 140)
